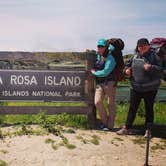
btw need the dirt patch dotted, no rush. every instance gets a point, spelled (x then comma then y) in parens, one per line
(80, 148)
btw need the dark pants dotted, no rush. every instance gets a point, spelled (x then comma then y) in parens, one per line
(135, 99)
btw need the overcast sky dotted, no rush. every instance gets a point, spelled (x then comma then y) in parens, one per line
(74, 25)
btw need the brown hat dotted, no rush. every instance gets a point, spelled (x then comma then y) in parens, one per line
(142, 41)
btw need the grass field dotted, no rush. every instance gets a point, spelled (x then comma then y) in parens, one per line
(81, 120)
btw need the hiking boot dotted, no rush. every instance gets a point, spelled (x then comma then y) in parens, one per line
(123, 131)
(146, 134)
(106, 129)
(101, 126)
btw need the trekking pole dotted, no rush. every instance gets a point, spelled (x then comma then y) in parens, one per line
(149, 126)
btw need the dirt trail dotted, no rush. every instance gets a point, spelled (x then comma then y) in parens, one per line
(92, 148)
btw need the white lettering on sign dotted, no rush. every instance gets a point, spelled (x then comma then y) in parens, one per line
(15, 93)
(1, 82)
(67, 81)
(46, 93)
(23, 80)
(72, 94)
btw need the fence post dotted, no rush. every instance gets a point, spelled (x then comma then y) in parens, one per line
(90, 60)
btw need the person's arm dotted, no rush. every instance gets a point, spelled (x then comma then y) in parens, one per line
(155, 67)
(127, 68)
(128, 63)
(109, 66)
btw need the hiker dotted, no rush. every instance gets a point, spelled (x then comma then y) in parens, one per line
(105, 83)
(143, 70)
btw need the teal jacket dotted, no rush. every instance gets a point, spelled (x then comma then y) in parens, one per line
(109, 65)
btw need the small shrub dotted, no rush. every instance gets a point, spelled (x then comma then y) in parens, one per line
(85, 141)
(139, 140)
(25, 130)
(4, 151)
(65, 140)
(118, 139)
(95, 140)
(70, 131)
(70, 146)
(158, 146)
(2, 163)
(49, 140)
(54, 146)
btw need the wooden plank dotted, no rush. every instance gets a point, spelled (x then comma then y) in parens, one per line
(91, 57)
(89, 65)
(48, 109)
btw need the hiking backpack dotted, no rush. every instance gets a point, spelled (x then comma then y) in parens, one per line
(159, 46)
(117, 54)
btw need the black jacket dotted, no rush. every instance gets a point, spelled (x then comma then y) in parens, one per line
(142, 80)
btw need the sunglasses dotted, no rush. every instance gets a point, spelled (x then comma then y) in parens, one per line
(99, 46)
(142, 46)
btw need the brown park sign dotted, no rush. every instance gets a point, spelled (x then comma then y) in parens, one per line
(42, 85)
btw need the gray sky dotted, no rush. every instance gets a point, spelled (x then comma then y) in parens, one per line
(74, 25)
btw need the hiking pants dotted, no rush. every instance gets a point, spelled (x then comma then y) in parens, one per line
(106, 90)
(135, 99)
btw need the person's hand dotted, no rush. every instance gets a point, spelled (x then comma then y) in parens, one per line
(92, 71)
(128, 72)
(147, 66)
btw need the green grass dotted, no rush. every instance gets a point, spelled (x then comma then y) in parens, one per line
(43, 104)
(158, 146)
(71, 131)
(2, 163)
(139, 140)
(160, 110)
(77, 121)
(81, 121)
(94, 139)
(64, 142)
(159, 114)
(82, 139)
(49, 140)
(70, 146)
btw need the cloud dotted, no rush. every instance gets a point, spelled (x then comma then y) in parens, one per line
(76, 25)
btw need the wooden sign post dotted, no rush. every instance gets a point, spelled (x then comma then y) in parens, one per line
(53, 77)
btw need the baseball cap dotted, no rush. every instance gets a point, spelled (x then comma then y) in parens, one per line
(142, 41)
(101, 42)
